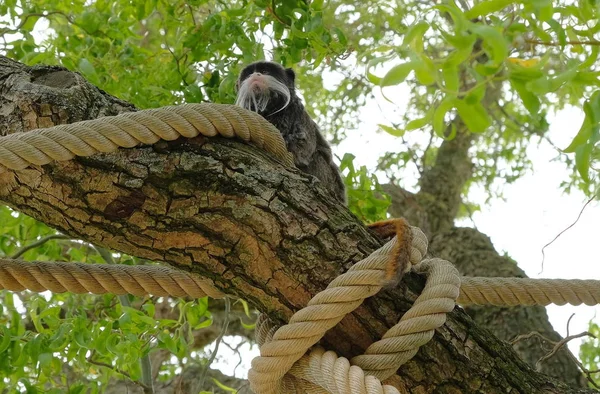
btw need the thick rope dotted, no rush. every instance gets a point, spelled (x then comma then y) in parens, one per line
(107, 134)
(39, 276)
(527, 291)
(307, 326)
(318, 371)
(417, 326)
(79, 278)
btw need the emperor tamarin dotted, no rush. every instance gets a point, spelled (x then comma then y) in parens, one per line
(269, 89)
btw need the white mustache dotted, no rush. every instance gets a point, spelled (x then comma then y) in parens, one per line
(257, 101)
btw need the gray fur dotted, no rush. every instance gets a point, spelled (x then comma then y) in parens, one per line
(312, 153)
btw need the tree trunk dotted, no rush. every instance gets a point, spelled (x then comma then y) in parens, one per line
(225, 210)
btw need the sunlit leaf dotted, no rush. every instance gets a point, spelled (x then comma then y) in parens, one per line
(392, 130)
(486, 7)
(530, 100)
(492, 39)
(397, 74)
(439, 125)
(591, 121)
(421, 122)
(474, 116)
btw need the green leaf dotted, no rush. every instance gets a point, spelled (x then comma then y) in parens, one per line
(86, 68)
(492, 39)
(450, 76)
(459, 19)
(488, 7)
(414, 36)
(391, 130)
(223, 387)
(92, 20)
(425, 70)
(530, 100)
(460, 55)
(476, 94)
(590, 58)
(340, 35)
(560, 32)
(6, 339)
(316, 5)
(573, 37)
(591, 108)
(374, 62)
(543, 9)
(397, 74)
(582, 160)
(439, 114)
(474, 116)
(546, 85)
(29, 23)
(421, 122)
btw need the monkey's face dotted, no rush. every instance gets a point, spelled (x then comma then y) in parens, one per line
(265, 87)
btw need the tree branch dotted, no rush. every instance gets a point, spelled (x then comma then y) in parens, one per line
(37, 243)
(259, 231)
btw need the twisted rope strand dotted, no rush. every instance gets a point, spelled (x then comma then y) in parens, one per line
(16, 275)
(139, 280)
(307, 326)
(107, 134)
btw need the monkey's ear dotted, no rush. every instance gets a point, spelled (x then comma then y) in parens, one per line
(290, 74)
(236, 86)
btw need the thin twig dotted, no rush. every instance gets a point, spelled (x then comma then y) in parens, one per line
(102, 364)
(557, 345)
(25, 18)
(46, 14)
(37, 243)
(560, 344)
(558, 44)
(565, 230)
(569, 323)
(213, 355)
(271, 10)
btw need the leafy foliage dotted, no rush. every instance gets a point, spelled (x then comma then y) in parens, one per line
(588, 352)
(366, 199)
(81, 342)
(501, 63)
(492, 68)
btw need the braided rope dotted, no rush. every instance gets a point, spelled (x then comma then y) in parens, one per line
(527, 291)
(325, 371)
(319, 371)
(107, 134)
(307, 326)
(58, 277)
(79, 278)
(417, 326)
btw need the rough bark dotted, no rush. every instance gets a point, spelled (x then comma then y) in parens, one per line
(266, 233)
